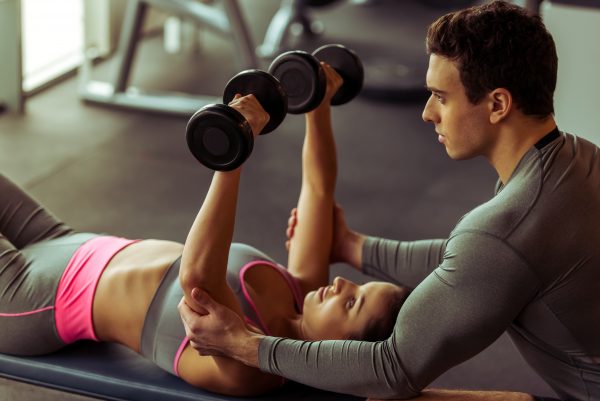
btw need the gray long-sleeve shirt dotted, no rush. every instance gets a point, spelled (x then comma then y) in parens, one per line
(526, 261)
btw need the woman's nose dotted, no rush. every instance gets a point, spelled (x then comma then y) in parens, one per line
(339, 283)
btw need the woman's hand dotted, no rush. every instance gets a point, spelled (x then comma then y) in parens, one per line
(252, 111)
(334, 82)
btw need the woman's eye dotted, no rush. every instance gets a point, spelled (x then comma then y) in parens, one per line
(350, 303)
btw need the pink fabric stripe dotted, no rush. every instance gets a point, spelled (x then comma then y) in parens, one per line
(77, 286)
(289, 279)
(180, 350)
(294, 286)
(32, 312)
(243, 271)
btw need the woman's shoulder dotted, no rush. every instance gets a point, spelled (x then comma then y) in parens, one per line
(239, 253)
(263, 287)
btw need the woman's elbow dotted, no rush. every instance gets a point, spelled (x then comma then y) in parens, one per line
(189, 279)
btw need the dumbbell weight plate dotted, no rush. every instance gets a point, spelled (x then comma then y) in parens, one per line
(348, 65)
(219, 137)
(266, 88)
(302, 77)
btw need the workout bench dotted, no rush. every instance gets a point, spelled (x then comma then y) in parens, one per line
(89, 370)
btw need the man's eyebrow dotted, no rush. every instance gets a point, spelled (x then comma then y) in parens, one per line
(436, 90)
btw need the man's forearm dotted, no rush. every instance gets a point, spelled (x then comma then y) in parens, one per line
(350, 367)
(403, 262)
(245, 350)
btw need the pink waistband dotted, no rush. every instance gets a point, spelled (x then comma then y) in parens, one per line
(77, 286)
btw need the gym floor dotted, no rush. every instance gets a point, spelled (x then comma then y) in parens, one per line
(129, 173)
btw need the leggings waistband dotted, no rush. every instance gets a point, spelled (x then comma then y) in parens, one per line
(77, 286)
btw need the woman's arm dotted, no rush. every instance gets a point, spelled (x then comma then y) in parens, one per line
(402, 262)
(310, 247)
(204, 265)
(206, 249)
(347, 246)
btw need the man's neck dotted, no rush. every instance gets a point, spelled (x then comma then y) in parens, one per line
(515, 138)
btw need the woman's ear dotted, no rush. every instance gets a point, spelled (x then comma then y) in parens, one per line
(500, 104)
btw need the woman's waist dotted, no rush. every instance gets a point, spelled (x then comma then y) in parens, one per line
(144, 255)
(127, 286)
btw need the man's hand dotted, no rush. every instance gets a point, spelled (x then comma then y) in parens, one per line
(219, 331)
(347, 244)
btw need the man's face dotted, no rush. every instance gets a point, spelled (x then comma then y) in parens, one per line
(462, 127)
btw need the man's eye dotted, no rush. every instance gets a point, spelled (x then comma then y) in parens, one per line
(438, 98)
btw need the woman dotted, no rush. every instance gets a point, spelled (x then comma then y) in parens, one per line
(57, 286)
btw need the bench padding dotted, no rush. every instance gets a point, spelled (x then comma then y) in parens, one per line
(113, 372)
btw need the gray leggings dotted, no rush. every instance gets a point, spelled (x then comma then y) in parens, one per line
(35, 248)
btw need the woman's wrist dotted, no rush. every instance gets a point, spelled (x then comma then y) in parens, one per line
(321, 111)
(354, 249)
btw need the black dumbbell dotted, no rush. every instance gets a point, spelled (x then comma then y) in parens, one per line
(219, 136)
(304, 81)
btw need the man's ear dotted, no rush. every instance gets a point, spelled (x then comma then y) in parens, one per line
(501, 104)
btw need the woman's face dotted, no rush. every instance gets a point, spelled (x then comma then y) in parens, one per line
(344, 309)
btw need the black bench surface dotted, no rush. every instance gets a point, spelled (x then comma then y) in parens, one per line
(113, 372)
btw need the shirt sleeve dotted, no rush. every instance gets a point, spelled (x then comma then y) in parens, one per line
(458, 310)
(405, 263)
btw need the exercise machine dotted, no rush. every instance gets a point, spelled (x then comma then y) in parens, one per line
(222, 16)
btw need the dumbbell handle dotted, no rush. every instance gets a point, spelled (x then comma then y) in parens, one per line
(219, 136)
(346, 63)
(304, 80)
(266, 88)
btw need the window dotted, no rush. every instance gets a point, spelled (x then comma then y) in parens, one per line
(52, 40)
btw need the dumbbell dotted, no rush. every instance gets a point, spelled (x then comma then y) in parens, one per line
(303, 78)
(219, 136)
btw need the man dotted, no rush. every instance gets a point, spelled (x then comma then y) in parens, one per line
(527, 261)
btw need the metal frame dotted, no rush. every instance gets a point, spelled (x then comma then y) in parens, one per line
(228, 20)
(290, 13)
(11, 75)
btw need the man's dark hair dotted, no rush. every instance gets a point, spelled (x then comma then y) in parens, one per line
(499, 45)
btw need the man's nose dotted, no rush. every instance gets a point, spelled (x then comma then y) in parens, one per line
(427, 114)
